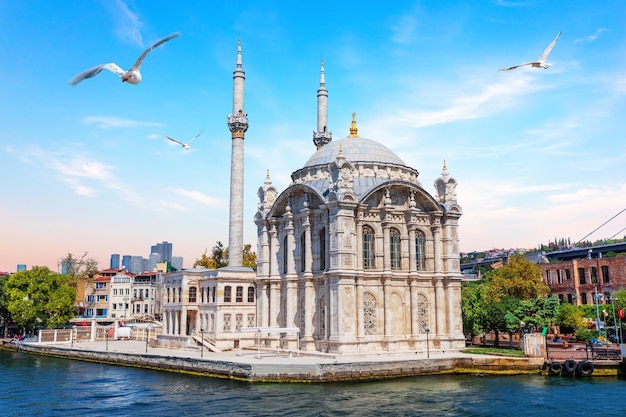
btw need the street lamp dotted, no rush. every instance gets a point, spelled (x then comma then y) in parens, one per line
(597, 298)
(202, 343)
(125, 305)
(148, 339)
(427, 330)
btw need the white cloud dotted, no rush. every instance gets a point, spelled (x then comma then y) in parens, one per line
(403, 29)
(128, 23)
(198, 196)
(107, 122)
(591, 37)
(492, 99)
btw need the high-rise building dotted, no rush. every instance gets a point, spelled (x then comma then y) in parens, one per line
(21, 267)
(164, 249)
(177, 262)
(136, 265)
(126, 262)
(115, 261)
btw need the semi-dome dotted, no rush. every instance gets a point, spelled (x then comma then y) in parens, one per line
(354, 149)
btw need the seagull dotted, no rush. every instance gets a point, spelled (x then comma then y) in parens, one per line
(541, 62)
(184, 145)
(132, 76)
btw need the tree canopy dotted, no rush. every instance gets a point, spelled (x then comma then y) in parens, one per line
(40, 298)
(219, 257)
(79, 267)
(519, 278)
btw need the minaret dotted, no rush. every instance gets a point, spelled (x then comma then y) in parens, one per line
(238, 124)
(323, 136)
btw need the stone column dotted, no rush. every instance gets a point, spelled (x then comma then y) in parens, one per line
(360, 325)
(440, 307)
(414, 309)
(412, 254)
(183, 321)
(386, 248)
(309, 309)
(274, 302)
(387, 292)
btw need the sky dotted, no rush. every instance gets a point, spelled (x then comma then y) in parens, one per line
(538, 154)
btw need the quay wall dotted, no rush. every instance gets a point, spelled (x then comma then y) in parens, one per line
(299, 372)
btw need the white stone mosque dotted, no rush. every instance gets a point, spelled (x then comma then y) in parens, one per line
(353, 257)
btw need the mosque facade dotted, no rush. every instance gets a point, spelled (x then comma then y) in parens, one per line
(353, 257)
(356, 254)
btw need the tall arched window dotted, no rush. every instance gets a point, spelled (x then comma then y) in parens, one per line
(227, 294)
(285, 255)
(369, 314)
(192, 294)
(302, 251)
(251, 295)
(239, 295)
(394, 249)
(322, 237)
(420, 254)
(368, 248)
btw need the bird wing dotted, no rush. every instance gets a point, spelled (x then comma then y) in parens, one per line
(174, 140)
(92, 72)
(544, 56)
(157, 43)
(515, 66)
(195, 137)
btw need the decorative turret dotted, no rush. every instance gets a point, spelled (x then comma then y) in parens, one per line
(323, 136)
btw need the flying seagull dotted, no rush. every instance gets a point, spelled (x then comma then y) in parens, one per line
(184, 145)
(132, 76)
(541, 62)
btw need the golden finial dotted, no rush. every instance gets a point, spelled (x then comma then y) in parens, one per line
(267, 176)
(444, 164)
(340, 149)
(354, 130)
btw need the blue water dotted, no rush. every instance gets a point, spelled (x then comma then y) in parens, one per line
(40, 386)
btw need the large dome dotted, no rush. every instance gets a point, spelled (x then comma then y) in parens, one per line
(354, 149)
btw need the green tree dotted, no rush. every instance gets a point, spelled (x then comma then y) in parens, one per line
(219, 257)
(519, 278)
(5, 317)
(40, 298)
(569, 317)
(473, 308)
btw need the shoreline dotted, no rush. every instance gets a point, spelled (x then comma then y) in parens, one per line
(286, 367)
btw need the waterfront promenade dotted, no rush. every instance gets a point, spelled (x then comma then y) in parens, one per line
(283, 366)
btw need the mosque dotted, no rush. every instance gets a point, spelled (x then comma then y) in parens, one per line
(353, 257)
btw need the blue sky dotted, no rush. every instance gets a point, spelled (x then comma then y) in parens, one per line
(538, 154)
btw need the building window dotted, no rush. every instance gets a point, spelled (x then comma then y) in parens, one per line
(581, 276)
(394, 249)
(368, 248)
(192, 294)
(238, 322)
(559, 277)
(239, 294)
(568, 275)
(594, 275)
(250, 320)
(569, 297)
(420, 253)
(251, 294)
(180, 295)
(605, 274)
(583, 298)
(322, 249)
(227, 294)
(227, 323)
(302, 252)
(212, 294)
(369, 314)
(422, 312)
(285, 255)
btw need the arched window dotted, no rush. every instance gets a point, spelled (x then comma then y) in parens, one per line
(285, 255)
(422, 312)
(394, 249)
(168, 294)
(420, 254)
(368, 248)
(302, 252)
(227, 294)
(192, 294)
(369, 314)
(251, 294)
(322, 237)
(239, 294)
(180, 295)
